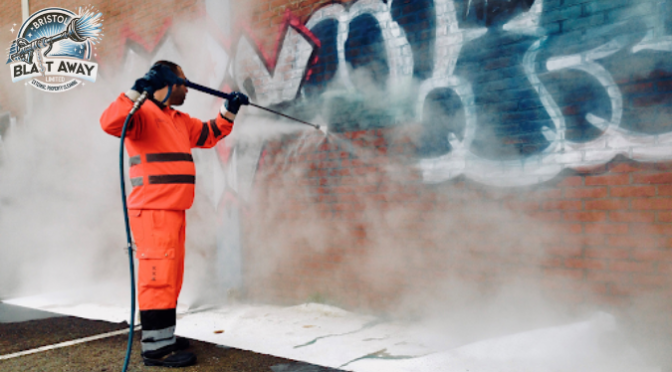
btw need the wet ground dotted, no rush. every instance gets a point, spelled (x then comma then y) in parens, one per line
(24, 329)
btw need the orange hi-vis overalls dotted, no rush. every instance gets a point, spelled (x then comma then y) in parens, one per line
(159, 141)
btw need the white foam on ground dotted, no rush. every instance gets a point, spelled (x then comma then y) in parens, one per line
(336, 338)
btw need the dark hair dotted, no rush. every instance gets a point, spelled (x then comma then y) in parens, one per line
(172, 65)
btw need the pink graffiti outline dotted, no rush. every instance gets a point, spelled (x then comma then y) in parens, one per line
(289, 20)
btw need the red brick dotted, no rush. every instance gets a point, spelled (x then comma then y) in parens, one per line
(606, 205)
(617, 253)
(328, 164)
(664, 216)
(651, 229)
(365, 171)
(341, 172)
(635, 242)
(631, 266)
(585, 216)
(323, 190)
(656, 178)
(663, 167)
(603, 228)
(572, 181)
(563, 205)
(570, 228)
(652, 204)
(348, 207)
(350, 198)
(350, 163)
(664, 190)
(326, 198)
(623, 216)
(318, 173)
(608, 180)
(582, 263)
(632, 191)
(652, 254)
(339, 155)
(623, 168)
(586, 192)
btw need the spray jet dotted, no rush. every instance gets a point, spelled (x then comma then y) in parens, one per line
(79, 30)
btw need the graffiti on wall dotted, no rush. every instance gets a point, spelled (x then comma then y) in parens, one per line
(507, 93)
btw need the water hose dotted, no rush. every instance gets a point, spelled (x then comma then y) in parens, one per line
(129, 243)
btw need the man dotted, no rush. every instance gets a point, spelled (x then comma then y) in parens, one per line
(159, 141)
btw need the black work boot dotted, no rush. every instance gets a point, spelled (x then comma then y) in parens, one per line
(171, 359)
(181, 343)
(170, 355)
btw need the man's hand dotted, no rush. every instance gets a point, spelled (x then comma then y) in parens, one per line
(237, 99)
(156, 78)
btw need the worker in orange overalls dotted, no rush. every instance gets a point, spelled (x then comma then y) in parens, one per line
(159, 141)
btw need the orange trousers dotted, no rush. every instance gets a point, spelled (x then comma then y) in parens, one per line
(159, 236)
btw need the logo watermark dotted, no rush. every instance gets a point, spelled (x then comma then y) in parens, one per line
(54, 46)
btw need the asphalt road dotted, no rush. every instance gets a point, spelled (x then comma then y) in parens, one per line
(24, 329)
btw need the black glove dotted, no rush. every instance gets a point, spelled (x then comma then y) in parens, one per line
(237, 99)
(156, 78)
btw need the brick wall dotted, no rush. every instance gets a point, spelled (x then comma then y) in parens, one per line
(594, 230)
(598, 236)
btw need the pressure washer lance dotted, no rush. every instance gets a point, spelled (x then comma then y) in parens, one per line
(227, 96)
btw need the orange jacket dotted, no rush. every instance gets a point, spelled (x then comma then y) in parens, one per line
(159, 141)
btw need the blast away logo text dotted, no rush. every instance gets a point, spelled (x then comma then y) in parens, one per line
(54, 47)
